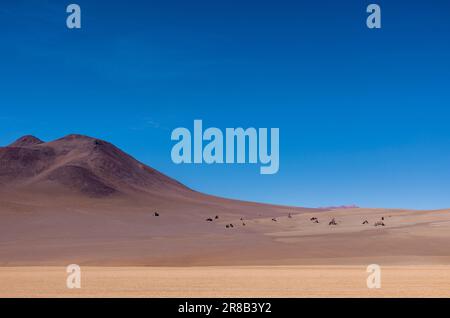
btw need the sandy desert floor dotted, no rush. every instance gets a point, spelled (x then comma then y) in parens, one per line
(234, 281)
(137, 232)
(119, 233)
(124, 250)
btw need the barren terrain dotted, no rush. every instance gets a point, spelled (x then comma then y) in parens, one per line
(80, 200)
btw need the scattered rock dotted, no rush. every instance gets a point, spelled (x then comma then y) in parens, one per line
(315, 220)
(333, 222)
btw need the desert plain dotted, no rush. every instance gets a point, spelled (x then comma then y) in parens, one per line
(138, 233)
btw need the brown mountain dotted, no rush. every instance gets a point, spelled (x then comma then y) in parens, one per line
(81, 164)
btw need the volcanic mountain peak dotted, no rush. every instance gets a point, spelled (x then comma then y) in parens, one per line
(25, 141)
(82, 143)
(72, 137)
(79, 163)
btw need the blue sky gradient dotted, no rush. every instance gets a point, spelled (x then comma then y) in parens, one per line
(363, 114)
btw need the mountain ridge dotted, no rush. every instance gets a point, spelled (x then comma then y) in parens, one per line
(79, 163)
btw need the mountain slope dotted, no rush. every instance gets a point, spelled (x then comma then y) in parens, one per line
(77, 163)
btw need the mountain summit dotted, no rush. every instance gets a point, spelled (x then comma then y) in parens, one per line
(26, 141)
(81, 164)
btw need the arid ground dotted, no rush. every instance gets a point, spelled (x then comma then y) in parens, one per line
(137, 232)
(228, 281)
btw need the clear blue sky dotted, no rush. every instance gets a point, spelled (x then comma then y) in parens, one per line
(363, 114)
